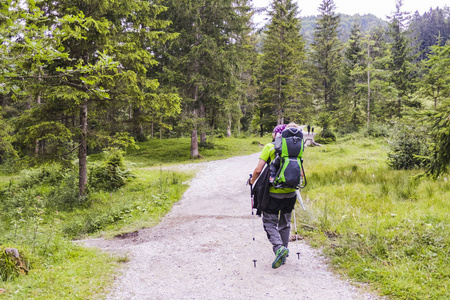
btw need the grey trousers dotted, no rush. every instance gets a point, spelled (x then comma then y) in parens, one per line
(278, 229)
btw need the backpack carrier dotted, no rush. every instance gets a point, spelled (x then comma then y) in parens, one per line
(286, 168)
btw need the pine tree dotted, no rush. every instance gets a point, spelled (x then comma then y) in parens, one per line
(201, 63)
(353, 79)
(326, 54)
(283, 65)
(436, 81)
(400, 66)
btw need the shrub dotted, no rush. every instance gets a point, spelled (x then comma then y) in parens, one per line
(110, 174)
(64, 196)
(407, 147)
(325, 137)
(50, 174)
(377, 130)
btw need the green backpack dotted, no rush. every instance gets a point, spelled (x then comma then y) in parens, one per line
(286, 168)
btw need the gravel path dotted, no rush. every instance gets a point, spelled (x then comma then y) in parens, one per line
(203, 249)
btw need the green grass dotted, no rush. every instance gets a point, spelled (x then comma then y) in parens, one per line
(76, 273)
(378, 225)
(175, 151)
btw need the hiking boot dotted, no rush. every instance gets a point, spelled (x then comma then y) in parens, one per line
(281, 254)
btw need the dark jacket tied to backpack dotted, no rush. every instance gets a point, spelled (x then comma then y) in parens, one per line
(261, 191)
(284, 172)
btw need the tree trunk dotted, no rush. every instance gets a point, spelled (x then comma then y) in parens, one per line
(261, 127)
(38, 101)
(229, 127)
(194, 138)
(203, 127)
(194, 144)
(82, 155)
(152, 130)
(160, 128)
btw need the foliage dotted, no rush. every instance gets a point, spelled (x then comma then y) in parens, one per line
(326, 55)
(378, 130)
(431, 28)
(436, 80)
(79, 62)
(283, 69)
(6, 147)
(439, 157)
(401, 55)
(407, 146)
(202, 65)
(110, 174)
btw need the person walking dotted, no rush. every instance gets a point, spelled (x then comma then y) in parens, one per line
(309, 129)
(276, 217)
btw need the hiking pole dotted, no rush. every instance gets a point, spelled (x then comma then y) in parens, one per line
(253, 214)
(296, 235)
(299, 197)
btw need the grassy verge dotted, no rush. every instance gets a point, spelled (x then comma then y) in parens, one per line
(40, 215)
(378, 225)
(175, 151)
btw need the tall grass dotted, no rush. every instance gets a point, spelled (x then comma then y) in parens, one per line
(376, 224)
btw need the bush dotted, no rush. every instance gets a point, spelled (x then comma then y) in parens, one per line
(64, 196)
(110, 174)
(325, 137)
(408, 146)
(377, 130)
(50, 174)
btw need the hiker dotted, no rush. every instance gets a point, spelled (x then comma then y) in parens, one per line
(276, 216)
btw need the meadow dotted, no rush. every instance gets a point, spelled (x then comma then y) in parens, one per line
(377, 225)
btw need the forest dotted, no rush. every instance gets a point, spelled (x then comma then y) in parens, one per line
(80, 78)
(83, 83)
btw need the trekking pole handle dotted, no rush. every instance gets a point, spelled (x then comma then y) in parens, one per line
(304, 176)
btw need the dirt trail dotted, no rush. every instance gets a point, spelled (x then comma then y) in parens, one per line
(203, 249)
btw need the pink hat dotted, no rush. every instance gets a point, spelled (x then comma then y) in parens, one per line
(279, 128)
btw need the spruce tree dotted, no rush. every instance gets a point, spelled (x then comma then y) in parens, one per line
(401, 74)
(353, 78)
(326, 55)
(436, 81)
(201, 62)
(283, 65)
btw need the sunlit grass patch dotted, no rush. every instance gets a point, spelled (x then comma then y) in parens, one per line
(170, 151)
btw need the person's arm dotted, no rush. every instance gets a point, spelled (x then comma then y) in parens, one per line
(257, 170)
